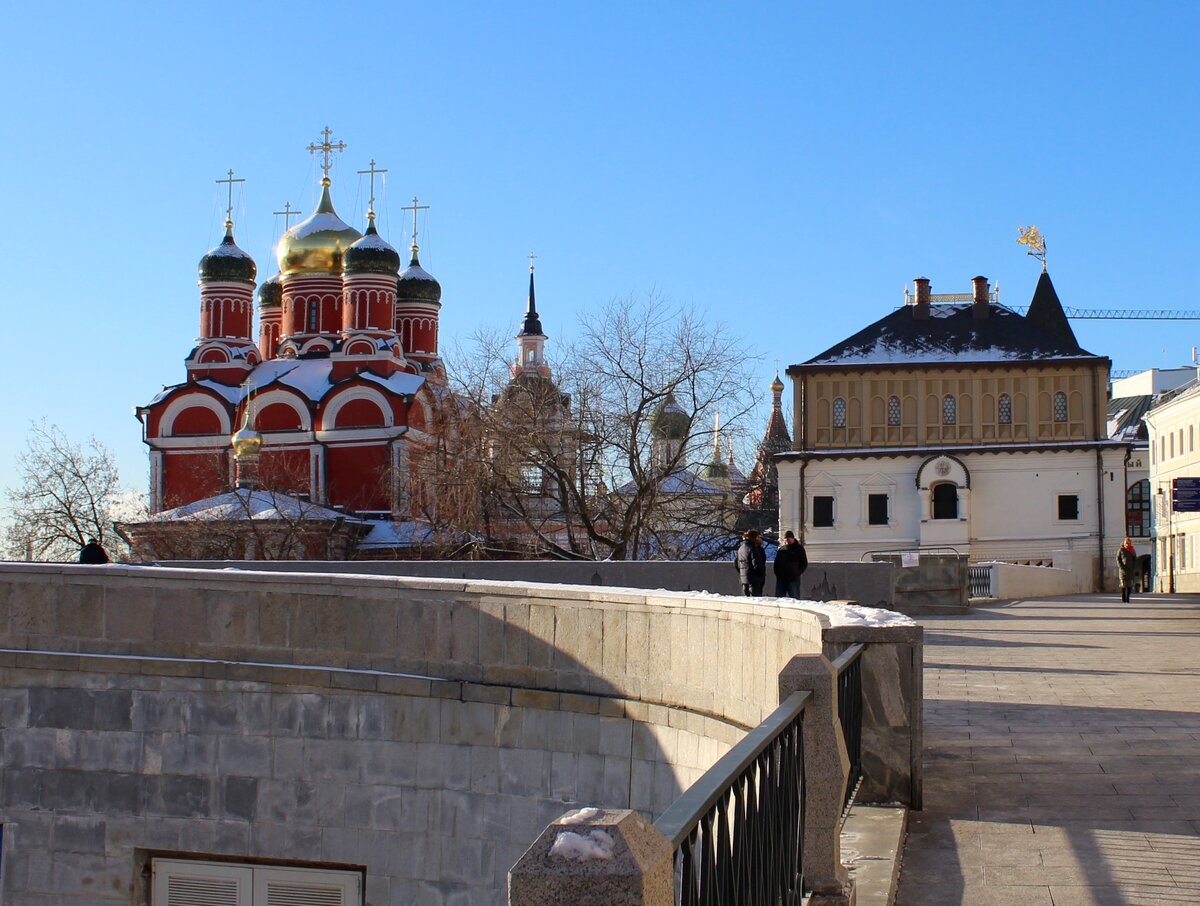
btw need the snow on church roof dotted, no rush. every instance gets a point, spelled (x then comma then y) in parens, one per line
(244, 504)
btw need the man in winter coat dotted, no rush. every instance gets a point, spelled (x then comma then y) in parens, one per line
(752, 564)
(93, 553)
(790, 563)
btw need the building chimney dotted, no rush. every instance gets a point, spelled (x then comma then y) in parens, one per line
(921, 299)
(979, 298)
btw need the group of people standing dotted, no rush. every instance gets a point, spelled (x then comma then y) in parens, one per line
(790, 563)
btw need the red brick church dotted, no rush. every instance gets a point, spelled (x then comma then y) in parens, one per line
(340, 388)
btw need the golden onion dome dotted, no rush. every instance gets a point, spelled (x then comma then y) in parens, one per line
(777, 385)
(246, 442)
(316, 245)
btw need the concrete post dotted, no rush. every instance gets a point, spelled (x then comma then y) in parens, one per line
(596, 857)
(826, 770)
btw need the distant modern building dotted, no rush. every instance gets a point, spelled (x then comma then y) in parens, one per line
(1172, 422)
(955, 424)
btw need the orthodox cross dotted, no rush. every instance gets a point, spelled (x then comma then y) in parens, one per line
(326, 148)
(372, 171)
(287, 214)
(229, 209)
(414, 207)
(531, 257)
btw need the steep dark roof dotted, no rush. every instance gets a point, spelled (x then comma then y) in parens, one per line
(1125, 417)
(1046, 312)
(533, 324)
(953, 334)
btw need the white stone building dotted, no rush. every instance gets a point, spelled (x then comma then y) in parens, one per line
(1172, 425)
(954, 423)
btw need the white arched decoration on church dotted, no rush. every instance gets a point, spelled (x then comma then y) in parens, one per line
(327, 417)
(181, 404)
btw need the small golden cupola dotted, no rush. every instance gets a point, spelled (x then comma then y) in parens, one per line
(316, 245)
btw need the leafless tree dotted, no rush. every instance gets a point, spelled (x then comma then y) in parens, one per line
(570, 464)
(66, 493)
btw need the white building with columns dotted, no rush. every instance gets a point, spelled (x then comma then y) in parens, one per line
(955, 423)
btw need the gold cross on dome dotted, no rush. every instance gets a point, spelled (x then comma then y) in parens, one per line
(287, 214)
(372, 171)
(229, 208)
(327, 147)
(414, 207)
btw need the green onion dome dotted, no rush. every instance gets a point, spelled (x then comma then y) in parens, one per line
(415, 284)
(270, 294)
(227, 261)
(371, 254)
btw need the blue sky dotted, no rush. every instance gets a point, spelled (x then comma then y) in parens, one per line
(786, 168)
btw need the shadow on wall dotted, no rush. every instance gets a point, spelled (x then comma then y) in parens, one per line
(424, 733)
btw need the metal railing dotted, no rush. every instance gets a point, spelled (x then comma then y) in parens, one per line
(979, 581)
(848, 665)
(738, 832)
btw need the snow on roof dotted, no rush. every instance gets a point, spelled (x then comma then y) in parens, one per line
(244, 504)
(951, 334)
(319, 223)
(389, 533)
(680, 481)
(416, 272)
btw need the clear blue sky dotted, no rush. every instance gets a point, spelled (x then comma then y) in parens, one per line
(785, 167)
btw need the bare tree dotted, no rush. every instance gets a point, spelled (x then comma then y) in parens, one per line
(577, 465)
(66, 493)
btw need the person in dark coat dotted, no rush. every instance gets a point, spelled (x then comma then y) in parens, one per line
(752, 564)
(92, 552)
(790, 563)
(1127, 569)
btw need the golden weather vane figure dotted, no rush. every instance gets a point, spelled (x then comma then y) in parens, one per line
(1035, 243)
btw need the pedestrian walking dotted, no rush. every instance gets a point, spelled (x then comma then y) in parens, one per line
(752, 564)
(92, 552)
(790, 563)
(1127, 568)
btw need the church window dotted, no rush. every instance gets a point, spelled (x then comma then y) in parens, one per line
(877, 509)
(1060, 407)
(893, 411)
(949, 411)
(314, 311)
(822, 511)
(839, 413)
(945, 501)
(1137, 510)
(1004, 409)
(1068, 507)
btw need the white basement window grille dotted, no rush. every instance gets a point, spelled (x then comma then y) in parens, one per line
(184, 882)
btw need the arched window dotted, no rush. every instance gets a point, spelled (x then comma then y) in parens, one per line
(839, 413)
(945, 501)
(893, 411)
(1004, 409)
(314, 312)
(1137, 509)
(1060, 407)
(949, 411)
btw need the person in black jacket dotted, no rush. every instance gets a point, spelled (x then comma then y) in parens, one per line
(752, 564)
(790, 563)
(93, 553)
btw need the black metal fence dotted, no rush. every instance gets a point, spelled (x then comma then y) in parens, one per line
(850, 713)
(738, 832)
(979, 581)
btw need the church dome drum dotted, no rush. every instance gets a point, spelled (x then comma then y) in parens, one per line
(228, 262)
(316, 245)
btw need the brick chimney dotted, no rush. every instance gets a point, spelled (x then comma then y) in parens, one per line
(921, 299)
(979, 298)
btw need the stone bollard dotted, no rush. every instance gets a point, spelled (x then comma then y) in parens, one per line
(826, 771)
(596, 857)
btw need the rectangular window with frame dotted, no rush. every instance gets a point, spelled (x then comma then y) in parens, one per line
(822, 511)
(1068, 507)
(877, 509)
(183, 882)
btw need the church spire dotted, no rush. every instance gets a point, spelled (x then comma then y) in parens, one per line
(531, 341)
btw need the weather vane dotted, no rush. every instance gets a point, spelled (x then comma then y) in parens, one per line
(371, 203)
(327, 147)
(229, 208)
(1035, 243)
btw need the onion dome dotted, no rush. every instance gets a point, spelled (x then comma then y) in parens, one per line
(227, 261)
(371, 254)
(246, 442)
(669, 421)
(270, 294)
(716, 471)
(416, 284)
(316, 245)
(777, 385)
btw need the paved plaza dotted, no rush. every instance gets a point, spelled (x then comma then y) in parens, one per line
(1062, 759)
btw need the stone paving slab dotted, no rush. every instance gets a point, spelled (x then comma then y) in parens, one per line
(1062, 759)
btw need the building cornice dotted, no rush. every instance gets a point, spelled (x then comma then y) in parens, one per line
(957, 450)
